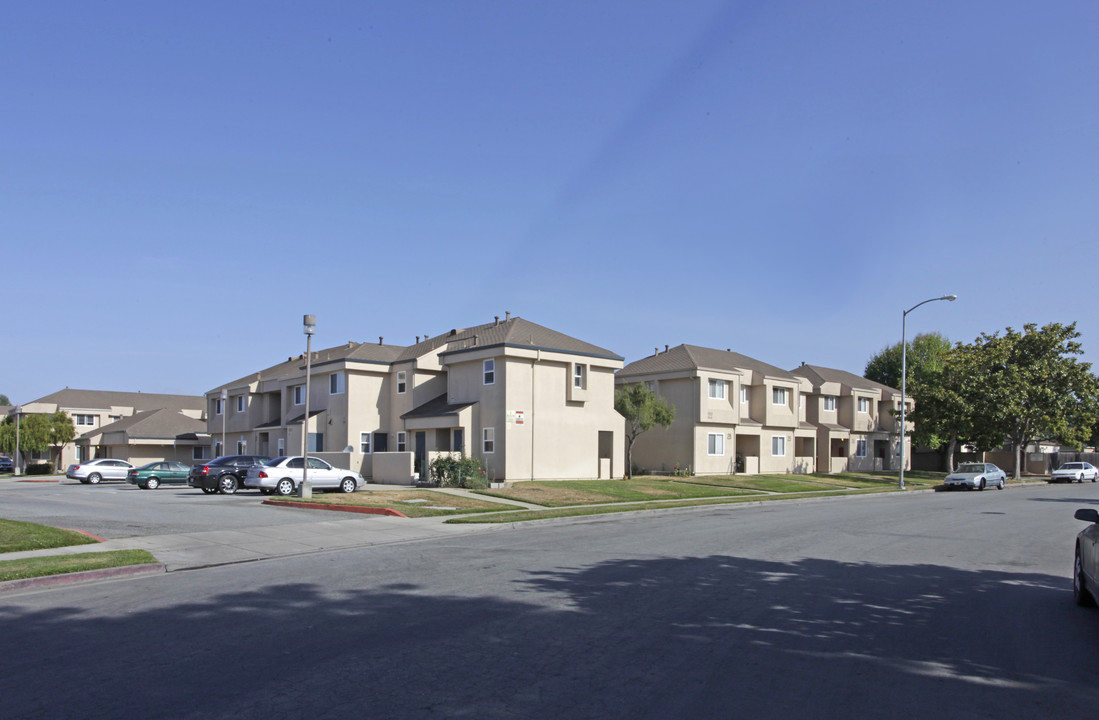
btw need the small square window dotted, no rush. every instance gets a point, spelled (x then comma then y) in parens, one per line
(299, 394)
(335, 383)
(364, 443)
(490, 372)
(578, 376)
(240, 403)
(864, 405)
(778, 396)
(715, 444)
(830, 403)
(717, 389)
(778, 446)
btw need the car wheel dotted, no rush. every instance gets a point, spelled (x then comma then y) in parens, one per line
(210, 491)
(228, 484)
(94, 478)
(982, 487)
(285, 487)
(1001, 485)
(152, 484)
(1079, 590)
(347, 485)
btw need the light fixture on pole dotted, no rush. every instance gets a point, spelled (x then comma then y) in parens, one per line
(17, 411)
(305, 490)
(904, 372)
(224, 417)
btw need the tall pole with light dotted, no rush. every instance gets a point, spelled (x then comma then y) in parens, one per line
(224, 418)
(904, 372)
(310, 323)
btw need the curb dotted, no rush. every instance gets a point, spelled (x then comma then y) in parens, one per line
(338, 508)
(83, 576)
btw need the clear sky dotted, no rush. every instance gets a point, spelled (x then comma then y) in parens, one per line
(181, 182)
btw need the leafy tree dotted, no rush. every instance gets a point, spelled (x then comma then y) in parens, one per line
(1029, 386)
(939, 417)
(643, 410)
(33, 434)
(60, 432)
(4, 399)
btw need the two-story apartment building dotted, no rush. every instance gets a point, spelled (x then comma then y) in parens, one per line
(528, 401)
(857, 420)
(91, 410)
(733, 414)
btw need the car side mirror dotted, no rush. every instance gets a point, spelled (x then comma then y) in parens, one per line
(1090, 515)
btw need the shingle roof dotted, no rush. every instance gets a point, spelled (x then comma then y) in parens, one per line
(72, 398)
(817, 375)
(162, 423)
(436, 407)
(517, 332)
(693, 357)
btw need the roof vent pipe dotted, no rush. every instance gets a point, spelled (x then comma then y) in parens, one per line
(665, 348)
(380, 339)
(656, 351)
(497, 319)
(507, 315)
(417, 339)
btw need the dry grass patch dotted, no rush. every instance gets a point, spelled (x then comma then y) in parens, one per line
(413, 503)
(564, 493)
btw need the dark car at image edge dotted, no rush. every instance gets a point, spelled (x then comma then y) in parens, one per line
(224, 474)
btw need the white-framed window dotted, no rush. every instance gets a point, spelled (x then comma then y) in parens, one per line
(743, 395)
(87, 420)
(801, 401)
(114, 418)
(299, 394)
(402, 382)
(860, 448)
(240, 403)
(242, 446)
(778, 396)
(778, 445)
(364, 443)
(864, 405)
(336, 383)
(715, 444)
(830, 403)
(218, 406)
(489, 372)
(488, 440)
(717, 390)
(402, 442)
(281, 444)
(578, 376)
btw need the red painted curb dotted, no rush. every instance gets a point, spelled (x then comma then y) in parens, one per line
(83, 576)
(338, 508)
(84, 532)
(54, 480)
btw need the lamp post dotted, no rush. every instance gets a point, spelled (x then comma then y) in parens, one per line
(17, 411)
(224, 418)
(310, 324)
(904, 372)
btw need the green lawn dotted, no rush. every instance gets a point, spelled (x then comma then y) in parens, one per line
(61, 564)
(413, 503)
(564, 493)
(16, 536)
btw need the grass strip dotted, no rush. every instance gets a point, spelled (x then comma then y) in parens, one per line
(525, 515)
(413, 503)
(16, 536)
(61, 564)
(565, 493)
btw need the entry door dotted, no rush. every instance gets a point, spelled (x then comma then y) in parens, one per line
(421, 453)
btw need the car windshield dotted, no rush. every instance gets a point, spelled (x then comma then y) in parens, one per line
(275, 461)
(1072, 466)
(971, 468)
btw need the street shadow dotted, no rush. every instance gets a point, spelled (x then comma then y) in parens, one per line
(694, 637)
(1074, 501)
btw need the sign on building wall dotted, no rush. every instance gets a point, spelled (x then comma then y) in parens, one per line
(517, 417)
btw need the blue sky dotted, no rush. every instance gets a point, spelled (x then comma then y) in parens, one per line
(181, 182)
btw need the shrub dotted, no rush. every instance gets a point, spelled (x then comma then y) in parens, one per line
(459, 471)
(39, 469)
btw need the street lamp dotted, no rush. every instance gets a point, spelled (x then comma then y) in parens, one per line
(224, 418)
(17, 411)
(310, 324)
(904, 371)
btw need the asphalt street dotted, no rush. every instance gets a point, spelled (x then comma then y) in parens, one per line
(954, 605)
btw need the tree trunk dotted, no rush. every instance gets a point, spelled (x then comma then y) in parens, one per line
(948, 455)
(629, 457)
(1016, 448)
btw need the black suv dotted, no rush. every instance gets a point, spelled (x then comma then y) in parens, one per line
(225, 474)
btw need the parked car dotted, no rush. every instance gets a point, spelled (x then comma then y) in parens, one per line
(1085, 568)
(283, 475)
(6, 464)
(1075, 472)
(223, 474)
(93, 471)
(976, 476)
(149, 477)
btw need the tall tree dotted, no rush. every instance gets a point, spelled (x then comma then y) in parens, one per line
(33, 435)
(643, 410)
(1030, 385)
(4, 399)
(60, 432)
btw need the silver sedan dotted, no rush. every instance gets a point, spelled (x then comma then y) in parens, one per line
(283, 475)
(93, 471)
(976, 476)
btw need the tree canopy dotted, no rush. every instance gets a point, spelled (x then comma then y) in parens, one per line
(643, 410)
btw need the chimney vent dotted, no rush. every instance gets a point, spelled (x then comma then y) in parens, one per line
(417, 339)
(656, 351)
(665, 348)
(507, 315)
(380, 338)
(497, 319)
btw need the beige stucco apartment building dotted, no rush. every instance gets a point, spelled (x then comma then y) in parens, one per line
(528, 401)
(733, 414)
(93, 410)
(857, 420)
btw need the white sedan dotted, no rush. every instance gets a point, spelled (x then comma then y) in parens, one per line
(93, 471)
(976, 476)
(283, 475)
(1075, 472)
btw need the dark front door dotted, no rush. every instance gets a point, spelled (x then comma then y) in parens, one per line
(421, 454)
